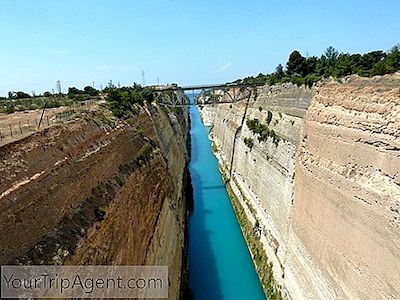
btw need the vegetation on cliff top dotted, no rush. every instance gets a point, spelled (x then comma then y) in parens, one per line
(81, 95)
(125, 102)
(9, 106)
(308, 70)
(21, 101)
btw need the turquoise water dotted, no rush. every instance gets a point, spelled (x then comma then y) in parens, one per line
(220, 266)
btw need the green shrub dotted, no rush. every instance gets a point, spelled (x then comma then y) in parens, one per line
(252, 123)
(140, 131)
(311, 79)
(127, 101)
(249, 142)
(22, 108)
(10, 109)
(263, 131)
(33, 106)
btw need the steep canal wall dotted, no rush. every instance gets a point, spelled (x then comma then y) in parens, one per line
(318, 193)
(98, 191)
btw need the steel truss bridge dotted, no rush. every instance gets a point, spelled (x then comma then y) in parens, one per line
(174, 95)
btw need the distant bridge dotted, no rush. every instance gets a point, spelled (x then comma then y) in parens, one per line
(167, 94)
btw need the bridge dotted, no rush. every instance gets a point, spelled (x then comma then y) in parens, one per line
(170, 95)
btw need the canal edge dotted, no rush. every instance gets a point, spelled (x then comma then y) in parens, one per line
(260, 260)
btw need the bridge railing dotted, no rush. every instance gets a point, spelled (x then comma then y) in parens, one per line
(229, 89)
(206, 86)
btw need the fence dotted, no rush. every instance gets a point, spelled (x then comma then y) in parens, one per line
(16, 125)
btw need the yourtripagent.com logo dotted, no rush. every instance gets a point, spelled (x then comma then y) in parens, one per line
(84, 282)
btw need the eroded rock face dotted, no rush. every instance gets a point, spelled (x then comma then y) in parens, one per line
(325, 198)
(98, 191)
(347, 187)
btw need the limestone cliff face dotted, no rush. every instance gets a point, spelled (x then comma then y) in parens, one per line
(324, 201)
(347, 187)
(262, 177)
(98, 191)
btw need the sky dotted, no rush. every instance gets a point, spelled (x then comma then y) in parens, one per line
(186, 42)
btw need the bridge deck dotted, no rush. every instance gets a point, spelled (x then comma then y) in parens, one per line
(196, 103)
(208, 86)
(227, 88)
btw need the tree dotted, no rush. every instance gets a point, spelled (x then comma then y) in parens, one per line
(10, 108)
(114, 99)
(47, 94)
(22, 95)
(311, 65)
(393, 59)
(380, 68)
(326, 64)
(344, 65)
(279, 71)
(295, 64)
(126, 101)
(301, 70)
(368, 60)
(311, 79)
(273, 79)
(91, 91)
(331, 55)
(73, 92)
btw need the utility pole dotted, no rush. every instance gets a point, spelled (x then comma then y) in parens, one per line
(158, 80)
(93, 84)
(58, 87)
(143, 79)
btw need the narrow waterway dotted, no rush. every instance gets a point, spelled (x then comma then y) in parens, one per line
(220, 265)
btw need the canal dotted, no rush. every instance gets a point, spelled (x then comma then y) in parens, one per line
(220, 265)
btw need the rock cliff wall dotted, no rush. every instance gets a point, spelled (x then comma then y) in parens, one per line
(98, 191)
(323, 201)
